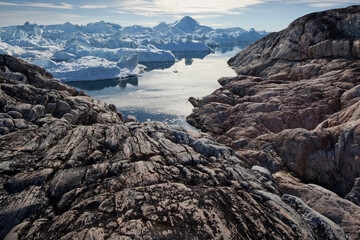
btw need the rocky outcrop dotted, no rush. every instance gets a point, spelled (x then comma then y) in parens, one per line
(71, 169)
(295, 53)
(294, 104)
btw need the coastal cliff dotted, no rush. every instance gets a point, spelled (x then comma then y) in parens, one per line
(71, 168)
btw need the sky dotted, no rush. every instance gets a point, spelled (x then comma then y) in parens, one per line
(269, 15)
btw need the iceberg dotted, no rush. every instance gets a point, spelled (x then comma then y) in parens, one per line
(188, 25)
(186, 47)
(10, 50)
(100, 27)
(222, 39)
(146, 53)
(103, 50)
(91, 68)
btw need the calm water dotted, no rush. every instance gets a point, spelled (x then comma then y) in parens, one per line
(162, 92)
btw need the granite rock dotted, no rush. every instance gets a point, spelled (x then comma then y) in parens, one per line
(95, 177)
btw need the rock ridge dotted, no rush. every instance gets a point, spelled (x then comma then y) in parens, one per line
(294, 104)
(71, 169)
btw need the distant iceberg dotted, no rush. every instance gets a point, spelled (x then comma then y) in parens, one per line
(186, 47)
(146, 53)
(103, 50)
(92, 68)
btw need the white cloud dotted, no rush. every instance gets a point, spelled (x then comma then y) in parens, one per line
(119, 12)
(42, 5)
(205, 16)
(207, 7)
(93, 6)
(170, 7)
(39, 17)
(321, 4)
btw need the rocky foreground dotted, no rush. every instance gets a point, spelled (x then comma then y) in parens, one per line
(295, 102)
(72, 169)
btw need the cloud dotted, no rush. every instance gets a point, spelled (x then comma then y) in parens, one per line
(205, 16)
(119, 12)
(40, 17)
(321, 4)
(42, 5)
(93, 6)
(170, 7)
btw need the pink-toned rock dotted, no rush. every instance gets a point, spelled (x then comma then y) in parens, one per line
(98, 178)
(339, 210)
(71, 169)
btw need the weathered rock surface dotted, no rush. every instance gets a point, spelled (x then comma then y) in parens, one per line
(295, 103)
(71, 169)
(340, 211)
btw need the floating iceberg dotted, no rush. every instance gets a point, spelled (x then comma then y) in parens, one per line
(221, 40)
(92, 68)
(186, 47)
(103, 50)
(10, 49)
(146, 53)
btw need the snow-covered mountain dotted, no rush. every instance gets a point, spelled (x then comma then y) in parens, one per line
(64, 48)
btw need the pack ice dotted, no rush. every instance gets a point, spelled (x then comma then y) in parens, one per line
(104, 50)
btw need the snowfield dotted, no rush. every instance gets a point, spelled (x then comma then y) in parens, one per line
(106, 50)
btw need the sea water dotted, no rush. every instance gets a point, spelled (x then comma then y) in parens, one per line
(161, 93)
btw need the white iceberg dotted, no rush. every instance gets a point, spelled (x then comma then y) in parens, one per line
(186, 47)
(104, 50)
(92, 68)
(63, 56)
(10, 50)
(188, 25)
(100, 27)
(146, 53)
(221, 40)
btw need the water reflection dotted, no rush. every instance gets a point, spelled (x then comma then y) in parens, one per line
(190, 55)
(230, 47)
(102, 84)
(157, 65)
(143, 116)
(224, 49)
(162, 94)
(134, 81)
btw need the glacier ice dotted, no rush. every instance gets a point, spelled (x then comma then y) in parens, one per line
(103, 50)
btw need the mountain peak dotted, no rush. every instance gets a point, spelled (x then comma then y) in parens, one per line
(188, 25)
(189, 19)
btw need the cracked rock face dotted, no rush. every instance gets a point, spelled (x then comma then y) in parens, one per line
(295, 102)
(72, 169)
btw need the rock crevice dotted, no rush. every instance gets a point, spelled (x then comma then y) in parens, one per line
(72, 169)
